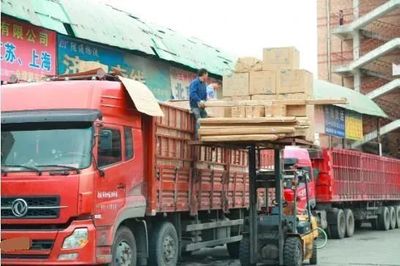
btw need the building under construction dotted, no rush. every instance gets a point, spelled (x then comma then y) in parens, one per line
(359, 48)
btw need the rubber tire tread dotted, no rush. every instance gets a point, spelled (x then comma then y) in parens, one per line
(122, 233)
(382, 223)
(335, 229)
(392, 212)
(233, 249)
(155, 244)
(349, 227)
(289, 251)
(314, 257)
(398, 216)
(244, 251)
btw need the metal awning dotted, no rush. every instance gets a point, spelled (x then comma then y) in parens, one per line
(355, 101)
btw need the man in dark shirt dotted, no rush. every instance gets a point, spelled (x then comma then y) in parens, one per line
(197, 97)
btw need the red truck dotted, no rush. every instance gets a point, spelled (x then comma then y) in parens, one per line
(347, 188)
(91, 180)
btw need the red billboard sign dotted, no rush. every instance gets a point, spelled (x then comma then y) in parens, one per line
(27, 51)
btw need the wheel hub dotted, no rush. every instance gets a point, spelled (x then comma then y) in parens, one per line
(169, 248)
(123, 254)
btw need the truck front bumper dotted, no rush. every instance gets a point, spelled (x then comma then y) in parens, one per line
(46, 246)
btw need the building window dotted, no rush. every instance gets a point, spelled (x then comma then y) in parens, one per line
(128, 143)
(109, 149)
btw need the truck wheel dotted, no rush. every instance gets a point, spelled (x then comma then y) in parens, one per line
(384, 219)
(349, 222)
(244, 251)
(398, 216)
(314, 257)
(233, 249)
(337, 223)
(293, 252)
(124, 248)
(392, 217)
(164, 245)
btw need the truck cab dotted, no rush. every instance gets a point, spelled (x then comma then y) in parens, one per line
(72, 160)
(297, 158)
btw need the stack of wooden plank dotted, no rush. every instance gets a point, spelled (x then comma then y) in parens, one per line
(248, 129)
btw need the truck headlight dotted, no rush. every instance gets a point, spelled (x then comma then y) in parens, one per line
(78, 239)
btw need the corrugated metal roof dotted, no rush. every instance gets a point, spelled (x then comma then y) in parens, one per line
(105, 24)
(355, 101)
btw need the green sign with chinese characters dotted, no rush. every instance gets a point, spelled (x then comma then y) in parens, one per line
(77, 55)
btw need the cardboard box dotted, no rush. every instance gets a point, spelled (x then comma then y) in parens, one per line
(262, 82)
(240, 98)
(247, 64)
(296, 110)
(278, 109)
(281, 58)
(218, 111)
(255, 111)
(258, 111)
(268, 110)
(249, 111)
(294, 81)
(238, 111)
(264, 97)
(293, 96)
(236, 84)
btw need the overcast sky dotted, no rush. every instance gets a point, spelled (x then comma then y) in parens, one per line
(241, 28)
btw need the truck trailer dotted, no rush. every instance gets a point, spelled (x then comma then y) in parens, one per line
(347, 188)
(91, 180)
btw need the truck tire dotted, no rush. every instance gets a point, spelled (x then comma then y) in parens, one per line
(293, 252)
(233, 249)
(392, 217)
(336, 223)
(350, 224)
(314, 257)
(398, 216)
(384, 219)
(124, 248)
(244, 251)
(163, 245)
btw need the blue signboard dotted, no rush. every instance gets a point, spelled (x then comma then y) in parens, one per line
(77, 55)
(334, 121)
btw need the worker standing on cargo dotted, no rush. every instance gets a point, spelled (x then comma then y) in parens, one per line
(211, 88)
(198, 96)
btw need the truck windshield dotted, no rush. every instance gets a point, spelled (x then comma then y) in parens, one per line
(34, 145)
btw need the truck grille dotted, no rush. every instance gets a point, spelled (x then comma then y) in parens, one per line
(38, 207)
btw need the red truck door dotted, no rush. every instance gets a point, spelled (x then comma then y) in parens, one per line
(110, 190)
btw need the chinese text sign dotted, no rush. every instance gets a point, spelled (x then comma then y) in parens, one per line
(334, 121)
(27, 51)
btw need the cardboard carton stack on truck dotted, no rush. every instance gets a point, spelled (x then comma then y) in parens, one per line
(264, 100)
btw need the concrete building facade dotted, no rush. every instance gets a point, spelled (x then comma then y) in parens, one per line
(359, 48)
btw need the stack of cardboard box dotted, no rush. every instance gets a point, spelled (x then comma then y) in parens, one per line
(271, 82)
(277, 77)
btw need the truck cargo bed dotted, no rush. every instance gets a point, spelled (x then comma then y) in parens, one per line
(191, 178)
(348, 175)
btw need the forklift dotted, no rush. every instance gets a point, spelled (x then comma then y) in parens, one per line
(277, 234)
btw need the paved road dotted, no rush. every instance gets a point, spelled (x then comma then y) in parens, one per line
(365, 248)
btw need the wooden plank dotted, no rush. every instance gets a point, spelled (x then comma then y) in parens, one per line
(230, 138)
(245, 130)
(255, 120)
(327, 101)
